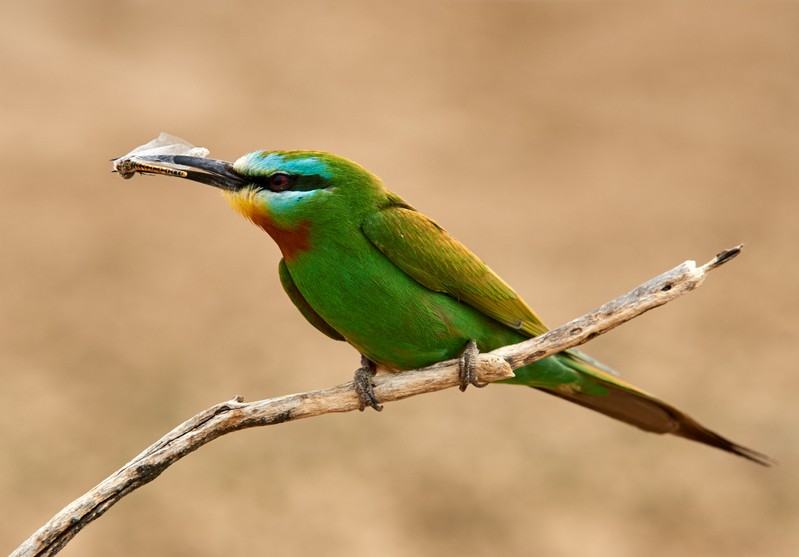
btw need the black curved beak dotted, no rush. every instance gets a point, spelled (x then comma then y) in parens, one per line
(212, 172)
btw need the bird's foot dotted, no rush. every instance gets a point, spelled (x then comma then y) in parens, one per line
(364, 387)
(467, 365)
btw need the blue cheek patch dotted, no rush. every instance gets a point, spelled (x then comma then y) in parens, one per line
(282, 204)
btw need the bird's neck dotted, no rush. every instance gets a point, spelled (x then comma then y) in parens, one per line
(291, 239)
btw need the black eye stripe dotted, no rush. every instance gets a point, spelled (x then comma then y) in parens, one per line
(294, 182)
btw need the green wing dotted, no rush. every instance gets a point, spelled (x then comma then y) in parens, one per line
(302, 304)
(426, 252)
(423, 250)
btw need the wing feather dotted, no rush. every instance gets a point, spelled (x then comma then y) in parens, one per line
(426, 252)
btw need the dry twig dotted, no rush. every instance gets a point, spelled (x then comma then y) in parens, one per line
(235, 414)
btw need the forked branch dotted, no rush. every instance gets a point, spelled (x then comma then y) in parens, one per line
(235, 414)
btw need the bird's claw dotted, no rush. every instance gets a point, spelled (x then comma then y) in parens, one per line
(467, 365)
(364, 387)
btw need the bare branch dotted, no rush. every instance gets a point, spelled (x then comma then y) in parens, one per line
(235, 414)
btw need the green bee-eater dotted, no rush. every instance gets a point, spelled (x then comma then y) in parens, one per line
(365, 267)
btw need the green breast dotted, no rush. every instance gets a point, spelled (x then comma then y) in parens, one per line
(384, 313)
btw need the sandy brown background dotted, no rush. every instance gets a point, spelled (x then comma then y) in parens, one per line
(579, 148)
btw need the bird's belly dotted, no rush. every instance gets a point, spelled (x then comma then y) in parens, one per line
(389, 317)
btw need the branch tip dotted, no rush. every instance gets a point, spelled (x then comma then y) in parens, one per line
(724, 256)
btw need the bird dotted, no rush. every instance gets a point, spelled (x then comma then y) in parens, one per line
(363, 266)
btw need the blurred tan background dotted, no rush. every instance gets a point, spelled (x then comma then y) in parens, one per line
(579, 148)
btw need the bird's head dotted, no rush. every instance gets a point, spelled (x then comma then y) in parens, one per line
(287, 193)
(291, 187)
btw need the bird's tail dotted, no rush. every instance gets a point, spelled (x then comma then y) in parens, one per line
(629, 404)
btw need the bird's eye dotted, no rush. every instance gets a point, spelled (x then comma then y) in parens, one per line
(279, 182)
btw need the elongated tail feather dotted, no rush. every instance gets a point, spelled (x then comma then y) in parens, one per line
(631, 405)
